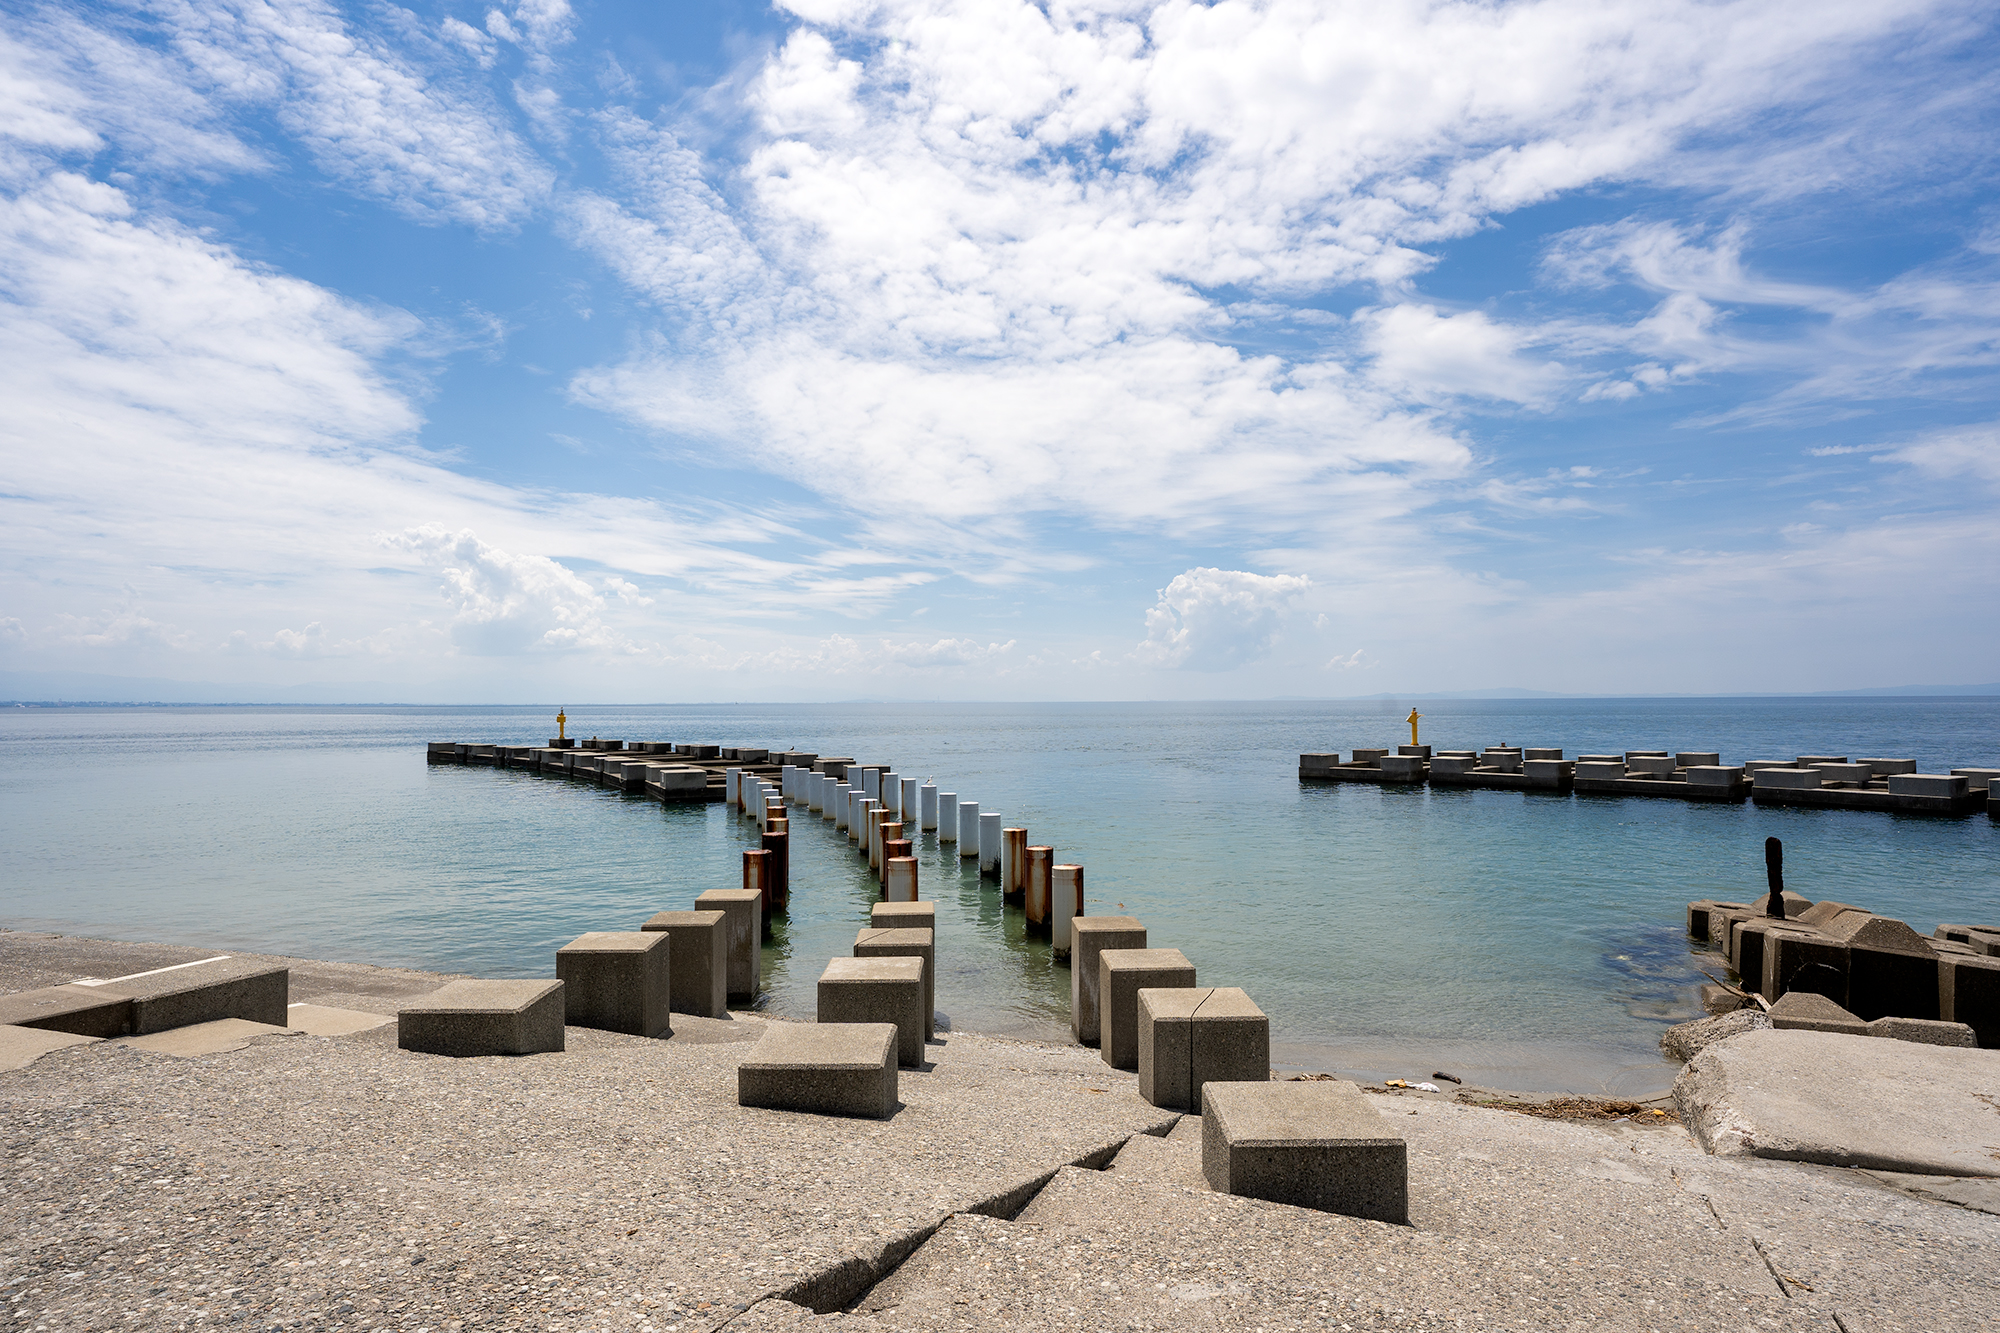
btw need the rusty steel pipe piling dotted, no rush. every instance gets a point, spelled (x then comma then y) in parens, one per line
(757, 875)
(1013, 860)
(1035, 885)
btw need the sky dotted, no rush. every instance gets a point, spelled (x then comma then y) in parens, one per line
(985, 350)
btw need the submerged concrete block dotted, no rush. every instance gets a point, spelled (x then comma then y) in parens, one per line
(745, 949)
(1928, 1031)
(905, 942)
(877, 990)
(822, 1068)
(1314, 1145)
(1189, 1037)
(618, 980)
(1089, 937)
(697, 960)
(1121, 974)
(484, 1018)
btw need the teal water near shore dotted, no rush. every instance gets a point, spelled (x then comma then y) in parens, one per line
(1529, 941)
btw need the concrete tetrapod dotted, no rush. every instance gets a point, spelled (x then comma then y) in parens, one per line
(1315, 1145)
(484, 1018)
(824, 1068)
(619, 981)
(698, 960)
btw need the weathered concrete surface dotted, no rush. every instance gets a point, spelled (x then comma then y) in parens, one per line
(539, 1191)
(822, 1068)
(1684, 1041)
(23, 1046)
(210, 1038)
(1846, 1101)
(1516, 1223)
(317, 1020)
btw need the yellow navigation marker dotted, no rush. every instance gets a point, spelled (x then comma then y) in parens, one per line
(1412, 720)
(562, 721)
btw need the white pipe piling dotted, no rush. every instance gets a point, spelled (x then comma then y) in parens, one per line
(989, 844)
(968, 828)
(947, 816)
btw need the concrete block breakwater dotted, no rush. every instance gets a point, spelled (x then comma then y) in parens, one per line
(1831, 782)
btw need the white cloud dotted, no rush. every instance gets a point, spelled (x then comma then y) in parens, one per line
(1423, 352)
(504, 603)
(1972, 452)
(1215, 619)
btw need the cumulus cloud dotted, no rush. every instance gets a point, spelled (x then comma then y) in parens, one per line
(1215, 619)
(503, 603)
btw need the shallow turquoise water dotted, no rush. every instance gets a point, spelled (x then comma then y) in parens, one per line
(1522, 940)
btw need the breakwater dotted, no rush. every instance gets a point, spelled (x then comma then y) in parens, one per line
(1826, 782)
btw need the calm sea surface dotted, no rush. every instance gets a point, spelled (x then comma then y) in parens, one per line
(1519, 940)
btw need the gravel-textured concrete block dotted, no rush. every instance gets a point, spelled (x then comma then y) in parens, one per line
(484, 1018)
(825, 1068)
(698, 960)
(1090, 936)
(1121, 974)
(877, 990)
(1316, 1145)
(905, 942)
(81, 1011)
(1926, 1031)
(745, 948)
(219, 988)
(1684, 1041)
(618, 980)
(904, 916)
(1191, 1036)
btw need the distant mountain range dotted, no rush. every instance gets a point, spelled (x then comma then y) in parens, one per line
(23, 687)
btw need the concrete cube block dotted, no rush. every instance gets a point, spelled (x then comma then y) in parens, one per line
(1191, 1036)
(1756, 765)
(877, 990)
(1645, 754)
(905, 942)
(1452, 765)
(1969, 993)
(1714, 775)
(1121, 975)
(1547, 774)
(911, 916)
(1815, 1013)
(1649, 766)
(1090, 936)
(1928, 1031)
(1369, 756)
(823, 1068)
(1531, 754)
(1419, 751)
(618, 980)
(225, 988)
(1599, 770)
(1313, 1145)
(1850, 775)
(1790, 778)
(1697, 759)
(745, 944)
(1808, 760)
(699, 961)
(484, 1018)
(1882, 768)
(1927, 784)
(1402, 767)
(1976, 779)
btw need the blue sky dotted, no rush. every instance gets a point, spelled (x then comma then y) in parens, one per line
(987, 350)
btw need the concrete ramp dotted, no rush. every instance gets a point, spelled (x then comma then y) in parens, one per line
(1843, 1100)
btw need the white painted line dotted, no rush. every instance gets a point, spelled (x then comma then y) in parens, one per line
(88, 981)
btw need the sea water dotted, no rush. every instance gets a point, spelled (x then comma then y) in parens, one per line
(1516, 939)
